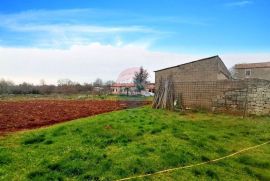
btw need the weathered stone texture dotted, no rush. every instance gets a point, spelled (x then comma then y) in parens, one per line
(255, 98)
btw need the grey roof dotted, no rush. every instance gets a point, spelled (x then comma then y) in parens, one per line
(253, 65)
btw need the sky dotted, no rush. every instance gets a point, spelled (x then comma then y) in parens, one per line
(86, 39)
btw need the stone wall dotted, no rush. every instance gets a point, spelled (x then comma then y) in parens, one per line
(258, 97)
(254, 97)
(250, 96)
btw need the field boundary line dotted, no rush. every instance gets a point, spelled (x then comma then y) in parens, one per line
(194, 165)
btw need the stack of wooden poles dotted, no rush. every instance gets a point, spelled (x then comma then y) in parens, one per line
(164, 96)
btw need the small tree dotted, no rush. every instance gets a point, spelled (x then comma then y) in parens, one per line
(233, 72)
(140, 79)
(98, 82)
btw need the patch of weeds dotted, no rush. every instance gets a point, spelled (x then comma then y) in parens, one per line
(221, 151)
(262, 177)
(150, 170)
(55, 167)
(78, 130)
(59, 131)
(226, 136)
(53, 176)
(182, 113)
(5, 158)
(200, 143)
(182, 136)
(245, 133)
(174, 159)
(89, 177)
(140, 133)
(248, 171)
(76, 155)
(73, 169)
(199, 110)
(212, 174)
(259, 176)
(197, 172)
(123, 140)
(144, 151)
(135, 170)
(263, 139)
(151, 149)
(212, 137)
(34, 140)
(106, 164)
(98, 158)
(155, 131)
(247, 160)
(67, 167)
(48, 142)
(205, 158)
(106, 142)
(231, 134)
(121, 172)
(36, 175)
(164, 126)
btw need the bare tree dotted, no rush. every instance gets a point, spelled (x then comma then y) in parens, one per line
(42, 82)
(5, 86)
(109, 83)
(233, 72)
(98, 82)
(65, 82)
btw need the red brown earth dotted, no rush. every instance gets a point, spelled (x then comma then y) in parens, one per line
(20, 115)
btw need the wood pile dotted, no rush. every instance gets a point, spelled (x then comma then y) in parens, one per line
(164, 96)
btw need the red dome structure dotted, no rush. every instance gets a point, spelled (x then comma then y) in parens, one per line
(126, 76)
(124, 83)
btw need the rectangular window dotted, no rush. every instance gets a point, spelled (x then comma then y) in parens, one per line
(248, 72)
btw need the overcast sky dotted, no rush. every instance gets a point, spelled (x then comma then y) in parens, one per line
(82, 40)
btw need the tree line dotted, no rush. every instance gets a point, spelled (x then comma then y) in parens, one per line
(63, 86)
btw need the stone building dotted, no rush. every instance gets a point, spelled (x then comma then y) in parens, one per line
(252, 70)
(207, 83)
(207, 69)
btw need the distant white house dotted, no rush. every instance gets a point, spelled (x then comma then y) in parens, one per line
(124, 84)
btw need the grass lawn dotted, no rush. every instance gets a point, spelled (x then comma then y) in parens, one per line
(78, 96)
(137, 141)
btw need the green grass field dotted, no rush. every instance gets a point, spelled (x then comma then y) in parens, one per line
(138, 141)
(78, 96)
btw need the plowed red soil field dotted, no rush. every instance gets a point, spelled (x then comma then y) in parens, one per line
(21, 115)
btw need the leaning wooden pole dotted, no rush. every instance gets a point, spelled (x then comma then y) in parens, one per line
(164, 97)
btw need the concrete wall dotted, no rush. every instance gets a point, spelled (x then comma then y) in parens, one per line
(260, 73)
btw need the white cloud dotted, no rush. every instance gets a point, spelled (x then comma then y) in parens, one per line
(65, 28)
(239, 3)
(86, 63)
(81, 63)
